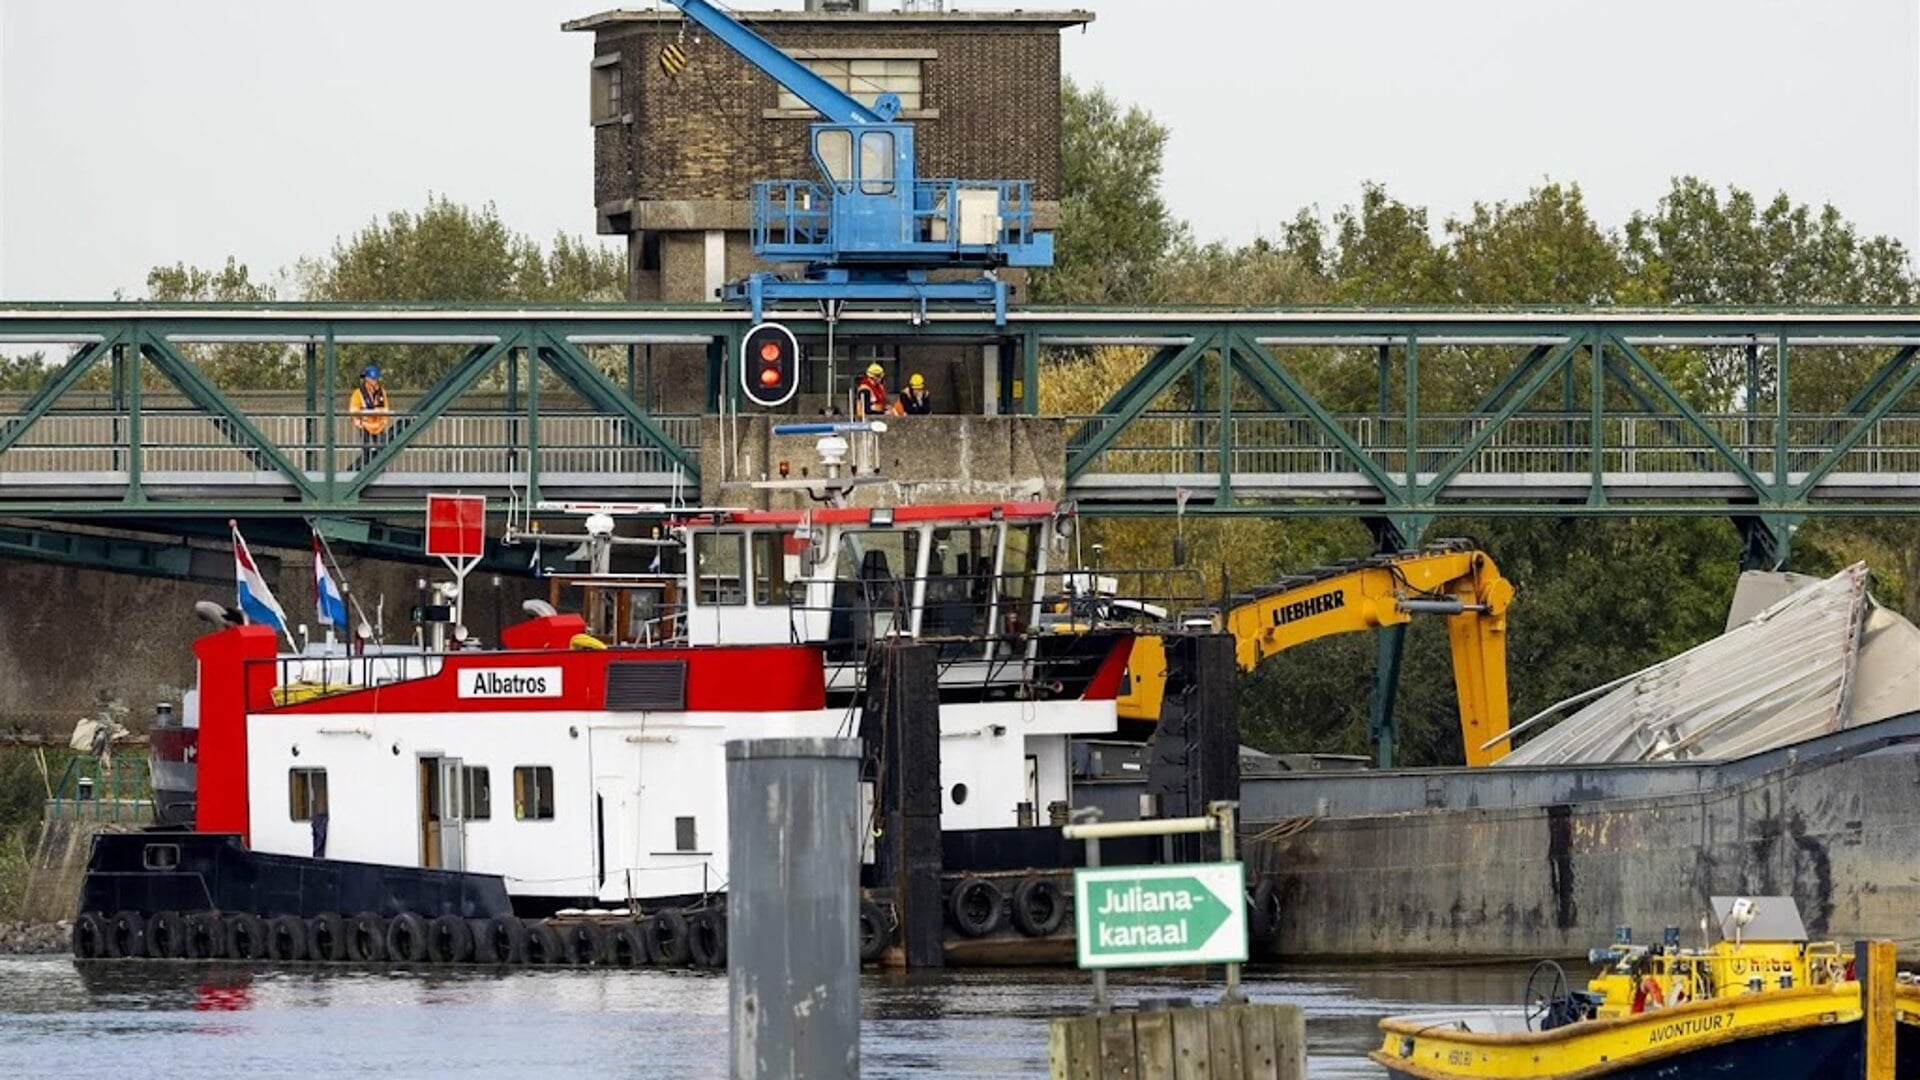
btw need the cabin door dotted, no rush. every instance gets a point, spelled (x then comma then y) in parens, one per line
(616, 813)
(442, 814)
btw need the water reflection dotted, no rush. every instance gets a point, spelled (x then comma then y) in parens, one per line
(199, 1020)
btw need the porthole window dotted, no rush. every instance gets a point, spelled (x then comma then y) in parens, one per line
(959, 794)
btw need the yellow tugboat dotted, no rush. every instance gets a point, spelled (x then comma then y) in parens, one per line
(1761, 1002)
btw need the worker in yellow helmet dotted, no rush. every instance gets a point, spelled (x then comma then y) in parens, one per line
(915, 399)
(870, 393)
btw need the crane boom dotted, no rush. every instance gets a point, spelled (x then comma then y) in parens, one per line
(836, 105)
(1452, 580)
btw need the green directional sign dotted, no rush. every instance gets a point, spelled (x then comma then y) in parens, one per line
(1149, 916)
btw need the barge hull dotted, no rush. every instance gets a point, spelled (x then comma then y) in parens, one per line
(1529, 862)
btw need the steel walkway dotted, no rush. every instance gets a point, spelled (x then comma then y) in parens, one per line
(1770, 415)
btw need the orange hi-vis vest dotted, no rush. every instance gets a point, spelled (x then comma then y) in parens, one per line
(371, 423)
(871, 396)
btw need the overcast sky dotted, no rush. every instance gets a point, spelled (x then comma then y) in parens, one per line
(134, 133)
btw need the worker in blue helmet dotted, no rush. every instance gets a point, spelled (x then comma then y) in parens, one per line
(371, 413)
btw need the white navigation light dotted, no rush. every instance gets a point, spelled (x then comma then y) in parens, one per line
(599, 525)
(832, 450)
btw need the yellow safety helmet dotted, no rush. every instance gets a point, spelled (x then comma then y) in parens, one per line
(875, 370)
(917, 382)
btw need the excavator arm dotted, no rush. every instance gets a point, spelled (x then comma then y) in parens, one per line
(1453, 580)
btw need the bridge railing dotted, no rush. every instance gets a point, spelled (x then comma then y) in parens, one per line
(1637, 443)
(92, 441)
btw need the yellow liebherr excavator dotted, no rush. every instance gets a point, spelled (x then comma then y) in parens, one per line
(1451, 578)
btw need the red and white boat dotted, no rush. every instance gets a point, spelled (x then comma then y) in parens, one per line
(582, 759)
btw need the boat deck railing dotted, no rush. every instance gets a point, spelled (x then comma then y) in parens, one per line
(115, 788)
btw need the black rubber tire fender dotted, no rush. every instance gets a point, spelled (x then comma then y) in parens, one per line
(506, 940)
(449, 940)
(876, 931)
(92, 936)
(287, 938)
(367, 938)
(407, 938)
(1039, 907)
(206, 937)
(167, 935)
(545, 945)
(129, 932)
(707, 938)
(327, 938)
(246, 936)
(976, 906)
(586, 942)
(627, 944)
(1263, 914)
(667, 937)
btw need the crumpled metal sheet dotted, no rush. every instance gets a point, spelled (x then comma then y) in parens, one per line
(1782, 677)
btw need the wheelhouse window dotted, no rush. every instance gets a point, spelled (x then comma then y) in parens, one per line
(533, 793)
(959, 575)
(770, 570)
(865, 79)
(476, 794)
(720, 565)
(1016, 577)
(306, 793)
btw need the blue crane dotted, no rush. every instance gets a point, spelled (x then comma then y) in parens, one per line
(870, 228)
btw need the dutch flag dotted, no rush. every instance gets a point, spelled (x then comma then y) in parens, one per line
(256, 600)
(326, 595)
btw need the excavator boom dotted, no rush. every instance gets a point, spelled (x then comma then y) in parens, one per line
(1453, 579)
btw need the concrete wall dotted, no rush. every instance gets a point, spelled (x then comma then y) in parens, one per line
(920, 459)
(71, 638)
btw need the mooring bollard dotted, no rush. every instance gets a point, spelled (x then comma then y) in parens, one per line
(793, 908)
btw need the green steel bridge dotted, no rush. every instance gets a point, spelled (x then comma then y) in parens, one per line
(1395, 416)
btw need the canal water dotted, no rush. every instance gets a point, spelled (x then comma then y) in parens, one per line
(154, 1020)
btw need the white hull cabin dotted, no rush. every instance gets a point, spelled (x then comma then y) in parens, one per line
(582, 776)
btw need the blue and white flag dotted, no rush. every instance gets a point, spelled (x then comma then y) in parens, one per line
(326, 595)
(256, 600)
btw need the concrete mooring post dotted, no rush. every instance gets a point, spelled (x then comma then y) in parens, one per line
(793, 908)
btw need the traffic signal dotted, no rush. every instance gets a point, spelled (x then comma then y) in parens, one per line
(770, 365)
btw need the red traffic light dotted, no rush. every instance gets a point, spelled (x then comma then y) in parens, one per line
(769, 365)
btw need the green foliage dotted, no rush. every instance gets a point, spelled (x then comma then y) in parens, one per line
(23, 373)
(232, 366)
(1115, 228)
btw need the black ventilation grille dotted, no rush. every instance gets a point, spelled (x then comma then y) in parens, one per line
(647, 686)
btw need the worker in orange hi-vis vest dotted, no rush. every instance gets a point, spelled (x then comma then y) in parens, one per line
(370, 413)
(870, 393)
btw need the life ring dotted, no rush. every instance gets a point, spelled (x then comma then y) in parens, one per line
(667, 937)
(1680, 992)
(206, 936)
(449, 940)
(327, 937)
(166, 936)
(246, 936)
(876, 932)
(544, 945)
(1263, 913)
(707, 938)
(1039, 907)
(286, 938)
(1646, 995)
(367, 939)
(976, 906)
(586, 943)
(627, 944)
(92, 937)
(129, 933)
